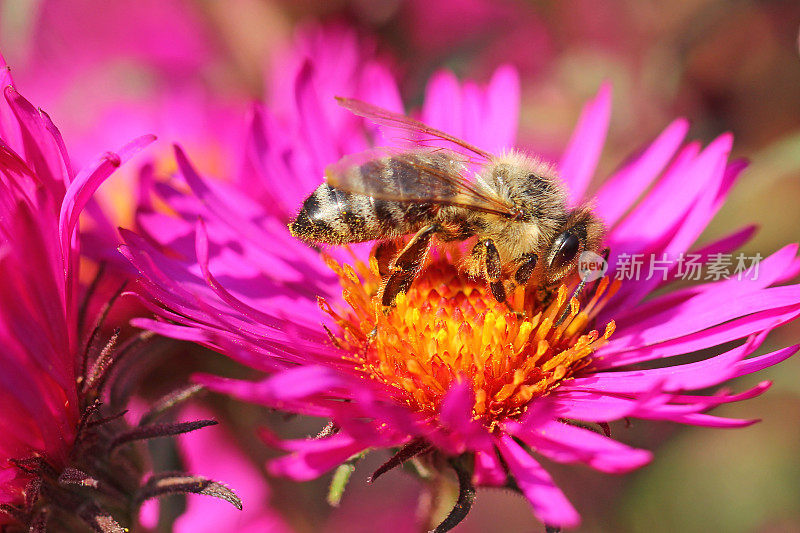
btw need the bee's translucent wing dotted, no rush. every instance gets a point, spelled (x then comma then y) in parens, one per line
(434, 175)
(421, 133)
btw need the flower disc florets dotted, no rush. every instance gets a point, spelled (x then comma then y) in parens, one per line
(449, 328)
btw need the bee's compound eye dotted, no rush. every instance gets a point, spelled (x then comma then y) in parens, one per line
(565, 250)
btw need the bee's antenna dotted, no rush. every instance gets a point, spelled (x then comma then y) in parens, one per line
(575, 294)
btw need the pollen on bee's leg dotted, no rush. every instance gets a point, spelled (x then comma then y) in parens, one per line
(449, 328)
(518, 298)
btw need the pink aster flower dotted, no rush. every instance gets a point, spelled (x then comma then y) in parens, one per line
(449, 376)
(55, 437)
(39, 251)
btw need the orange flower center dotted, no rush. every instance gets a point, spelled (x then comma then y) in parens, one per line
(449, 327)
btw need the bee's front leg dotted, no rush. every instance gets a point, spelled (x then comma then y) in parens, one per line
(405, 266)
(492, 267)
(525, 269)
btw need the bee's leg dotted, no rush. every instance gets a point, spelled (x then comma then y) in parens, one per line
(384, 253)
(523, 273)
(405, 266)
(492, 268)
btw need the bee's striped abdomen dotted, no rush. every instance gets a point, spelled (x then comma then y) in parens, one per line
(329, 215)
(338, 217)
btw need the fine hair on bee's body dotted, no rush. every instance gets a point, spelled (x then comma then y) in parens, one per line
(513, 207)
(335, 216)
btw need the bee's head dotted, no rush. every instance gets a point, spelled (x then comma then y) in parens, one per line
(582, 232)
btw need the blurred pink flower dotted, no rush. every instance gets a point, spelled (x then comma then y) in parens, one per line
(342, 59)
(41, 199)
(215, 453)
(106, 75)
(489, 32)
(237, 282)
(136, 65)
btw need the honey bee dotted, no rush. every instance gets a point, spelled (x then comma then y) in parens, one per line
(512, 205)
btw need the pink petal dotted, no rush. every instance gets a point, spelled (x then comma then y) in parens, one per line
(442, 107)
(754, 364)
(565, 443)
(171, 330)
(770, 271)
(699, 375)
(201, 247)
(654, 406)
(253, 392)
(707, 338)
(548, 502)
(502, 114)
(729, 243)
(621, 190)
(688, 230)
(378, 86)
(594, 406)
(710, 421)
(300, 382)
(580, 158)
(723, 396)
(59, 142)
(705, 310)
(213, 453)
(488, 469)
(316, 458)
(38, 145)
(9, 125)
(86, 183)
(314, 125)
(684, 183)
(455, 417)
(456, 410)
